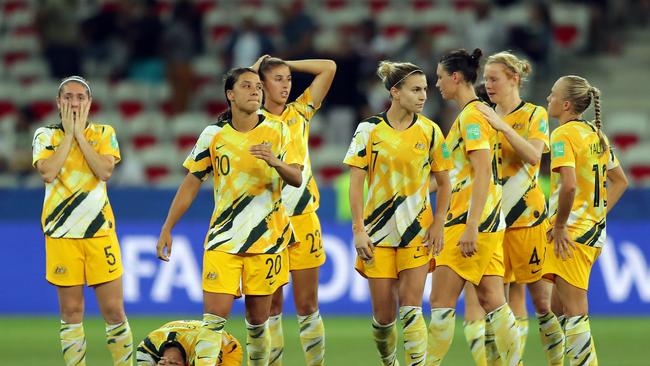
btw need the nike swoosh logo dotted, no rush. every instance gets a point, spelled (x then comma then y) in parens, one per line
(533, 272)
(317, 255)
(271, 283)
(417, 256)
(112, 270)
(376, 143)
(219, 147)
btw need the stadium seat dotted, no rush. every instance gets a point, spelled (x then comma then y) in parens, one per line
(637, 160)
(625, 129)
(571, 24)
(147, 129)
(8, 93)
(131, 98)
(186, 128)
(41, 98)
(30, 70)
(159, 160)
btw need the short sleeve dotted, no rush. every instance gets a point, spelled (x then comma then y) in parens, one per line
(304, 105)
(475, 131)
(199, 161)
(42, 147)
(439, 155)
(538, 128)
(108, 144)
(288, 153)
(562, 153)
(357, 154)
(612, 161)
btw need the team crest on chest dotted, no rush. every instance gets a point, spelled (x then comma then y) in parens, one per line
(518, 126)
(291, 121)
(420, 146)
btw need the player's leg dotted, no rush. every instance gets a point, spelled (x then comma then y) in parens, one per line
(410, 286)
(517, 300)
(258, 340)
(446, 286)
(118, 332)
(383, 293)
(550, 330)
(275, 328)
(71, 332)
(474, 326)
(579, 343)
(499, 318)
(310, 323)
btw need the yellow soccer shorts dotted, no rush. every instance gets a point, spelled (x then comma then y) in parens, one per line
(308, 250)
(574, 270)
(258, 274)
(524, 252)
(73, 262)
(488, 261)
(388, 262)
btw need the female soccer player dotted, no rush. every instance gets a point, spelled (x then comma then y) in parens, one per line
(251, 157)
(173, 345)
(523, 138)
(75, 158)
(475, 225)
(395, 231)
(586, 181)
(307, 254)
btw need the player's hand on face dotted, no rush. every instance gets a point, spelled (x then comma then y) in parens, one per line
(164, 246)
(263, 151)
(81, 118)
(67, 116)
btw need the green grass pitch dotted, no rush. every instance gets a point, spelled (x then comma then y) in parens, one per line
(28, 341)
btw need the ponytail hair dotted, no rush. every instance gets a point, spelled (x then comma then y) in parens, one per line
(393, 74)
(464, 63)
(229, 81)
(580, 93)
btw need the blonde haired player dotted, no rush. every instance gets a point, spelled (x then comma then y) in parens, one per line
(587, 181)
(173, 344)
(306, 255)
(395, 230)
(251, 157)
(475, 224)
(75, 159)
(524, 136)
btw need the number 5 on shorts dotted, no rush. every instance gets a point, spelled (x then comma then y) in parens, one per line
(110, 257)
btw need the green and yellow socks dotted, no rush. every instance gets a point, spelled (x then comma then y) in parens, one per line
(258, 343)
(579, 345)
(415, 335)
(385, 336)
(312, 338)
(441, 333)
(552, 337)
(475, 336)
(73, 343)
(120, 343)
(506, 334)
(208, 343)
(277, 340)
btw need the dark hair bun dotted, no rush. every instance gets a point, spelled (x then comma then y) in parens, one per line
(476, 56)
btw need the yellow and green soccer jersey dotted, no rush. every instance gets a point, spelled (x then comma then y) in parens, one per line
(469, 132)
(399, 163)
(576, 144)
(183, 333)
(76, 205)
(524, 204)
(248, 216)
(297, 115)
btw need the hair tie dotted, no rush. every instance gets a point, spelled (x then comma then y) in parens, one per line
(78, 79)
(405, 76)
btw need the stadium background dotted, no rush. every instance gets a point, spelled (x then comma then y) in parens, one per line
(155, 68)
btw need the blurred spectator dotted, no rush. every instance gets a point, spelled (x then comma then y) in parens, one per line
(104, 52)
(142, 30)
(20, 162)
(180, 46)
(58, 27)
(297, 32)
(485, 31)
(247, 44)
(535, 38)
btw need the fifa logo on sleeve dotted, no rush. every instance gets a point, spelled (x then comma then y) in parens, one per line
(473, 132)
(558, 149)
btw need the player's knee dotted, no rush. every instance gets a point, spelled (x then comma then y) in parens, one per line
(72, 313)
(489, 300)
(306, 307)
(542, 304)
(114, 314)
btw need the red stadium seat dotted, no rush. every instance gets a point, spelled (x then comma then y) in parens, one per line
(155, 173)
(624, 141)
(565, 35)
